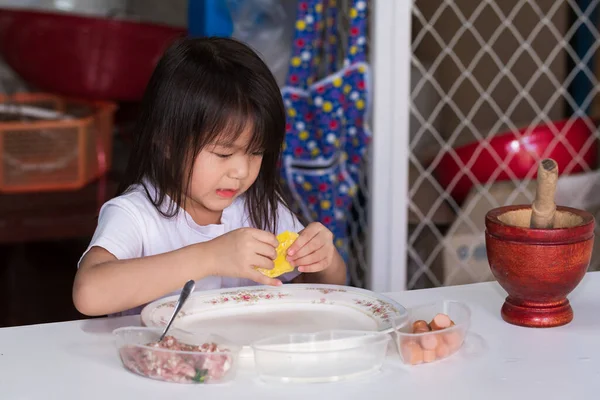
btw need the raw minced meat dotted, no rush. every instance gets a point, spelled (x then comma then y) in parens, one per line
(174, 367)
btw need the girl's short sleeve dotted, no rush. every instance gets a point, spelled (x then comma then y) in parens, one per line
(118, 232)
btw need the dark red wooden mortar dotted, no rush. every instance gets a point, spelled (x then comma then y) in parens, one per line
(538, 267)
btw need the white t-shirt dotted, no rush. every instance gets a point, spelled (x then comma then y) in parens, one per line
(129, 226)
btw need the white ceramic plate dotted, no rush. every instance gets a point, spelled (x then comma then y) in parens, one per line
(245, 315)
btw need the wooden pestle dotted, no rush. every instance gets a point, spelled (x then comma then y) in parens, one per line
(543, 207)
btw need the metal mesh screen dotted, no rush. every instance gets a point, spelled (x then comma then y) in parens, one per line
(496, 87)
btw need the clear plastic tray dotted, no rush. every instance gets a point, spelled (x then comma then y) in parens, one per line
(206, 364)
(327, 356)
(434, 345)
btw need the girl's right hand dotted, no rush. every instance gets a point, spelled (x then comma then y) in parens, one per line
(237, 253)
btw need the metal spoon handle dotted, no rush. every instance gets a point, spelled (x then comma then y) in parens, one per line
(188, 288)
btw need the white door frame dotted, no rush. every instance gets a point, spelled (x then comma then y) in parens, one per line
(388, 183)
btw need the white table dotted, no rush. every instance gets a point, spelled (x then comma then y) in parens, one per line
(77, 360)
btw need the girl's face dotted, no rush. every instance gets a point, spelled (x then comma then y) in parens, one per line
(221, 172)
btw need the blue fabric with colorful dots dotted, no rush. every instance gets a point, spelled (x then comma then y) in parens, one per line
(326, 132)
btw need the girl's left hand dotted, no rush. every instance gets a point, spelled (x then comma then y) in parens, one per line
(313, 250)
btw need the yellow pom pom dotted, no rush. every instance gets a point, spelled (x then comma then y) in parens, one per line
(282, 266)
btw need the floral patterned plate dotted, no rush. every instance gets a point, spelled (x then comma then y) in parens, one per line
(245, 315)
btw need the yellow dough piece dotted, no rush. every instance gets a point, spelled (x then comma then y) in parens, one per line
(282, 266)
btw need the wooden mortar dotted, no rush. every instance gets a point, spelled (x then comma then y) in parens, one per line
(539, 253)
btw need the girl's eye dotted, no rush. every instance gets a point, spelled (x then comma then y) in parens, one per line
(258, 153)
(223, 155)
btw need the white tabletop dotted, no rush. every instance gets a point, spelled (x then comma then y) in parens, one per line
(77, 360)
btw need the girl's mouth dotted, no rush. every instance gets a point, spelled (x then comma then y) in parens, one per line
(227, 193)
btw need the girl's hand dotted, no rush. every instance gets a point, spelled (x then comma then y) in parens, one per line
(237, 253)
(313, 250)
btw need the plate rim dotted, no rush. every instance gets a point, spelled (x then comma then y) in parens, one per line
(403, 311)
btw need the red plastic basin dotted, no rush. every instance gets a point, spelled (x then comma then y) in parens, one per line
(521, 153)
(83, 56)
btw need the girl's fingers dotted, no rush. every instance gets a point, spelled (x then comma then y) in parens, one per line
(309, 248)
(264, 249)
(316, 267)
(322, 238)
(312, 258)
(265, 237)
(306, 235)
(263, 280)
(262, 262)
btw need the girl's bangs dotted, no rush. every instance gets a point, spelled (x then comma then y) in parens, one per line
(227, 123)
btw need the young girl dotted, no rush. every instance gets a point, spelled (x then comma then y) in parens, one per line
(201, 198)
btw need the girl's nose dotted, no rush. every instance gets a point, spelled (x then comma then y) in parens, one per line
(240, 168)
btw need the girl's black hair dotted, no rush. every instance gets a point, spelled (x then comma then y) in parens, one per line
(203, 89)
